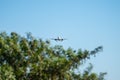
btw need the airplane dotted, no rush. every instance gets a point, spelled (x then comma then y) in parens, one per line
(58, 39)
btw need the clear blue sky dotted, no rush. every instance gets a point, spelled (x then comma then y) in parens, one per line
(85, 23)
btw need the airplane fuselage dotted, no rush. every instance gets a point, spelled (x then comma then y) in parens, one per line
(58, 39)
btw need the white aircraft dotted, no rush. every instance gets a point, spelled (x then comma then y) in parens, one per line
(58, 39)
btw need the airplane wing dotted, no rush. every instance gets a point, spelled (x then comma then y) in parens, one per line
(54, 39)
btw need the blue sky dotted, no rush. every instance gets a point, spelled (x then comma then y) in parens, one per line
(85, 23)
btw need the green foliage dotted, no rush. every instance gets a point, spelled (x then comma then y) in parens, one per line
(27, 58)
(6, 72)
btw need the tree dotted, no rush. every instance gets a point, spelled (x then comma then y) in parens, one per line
(28, 58)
